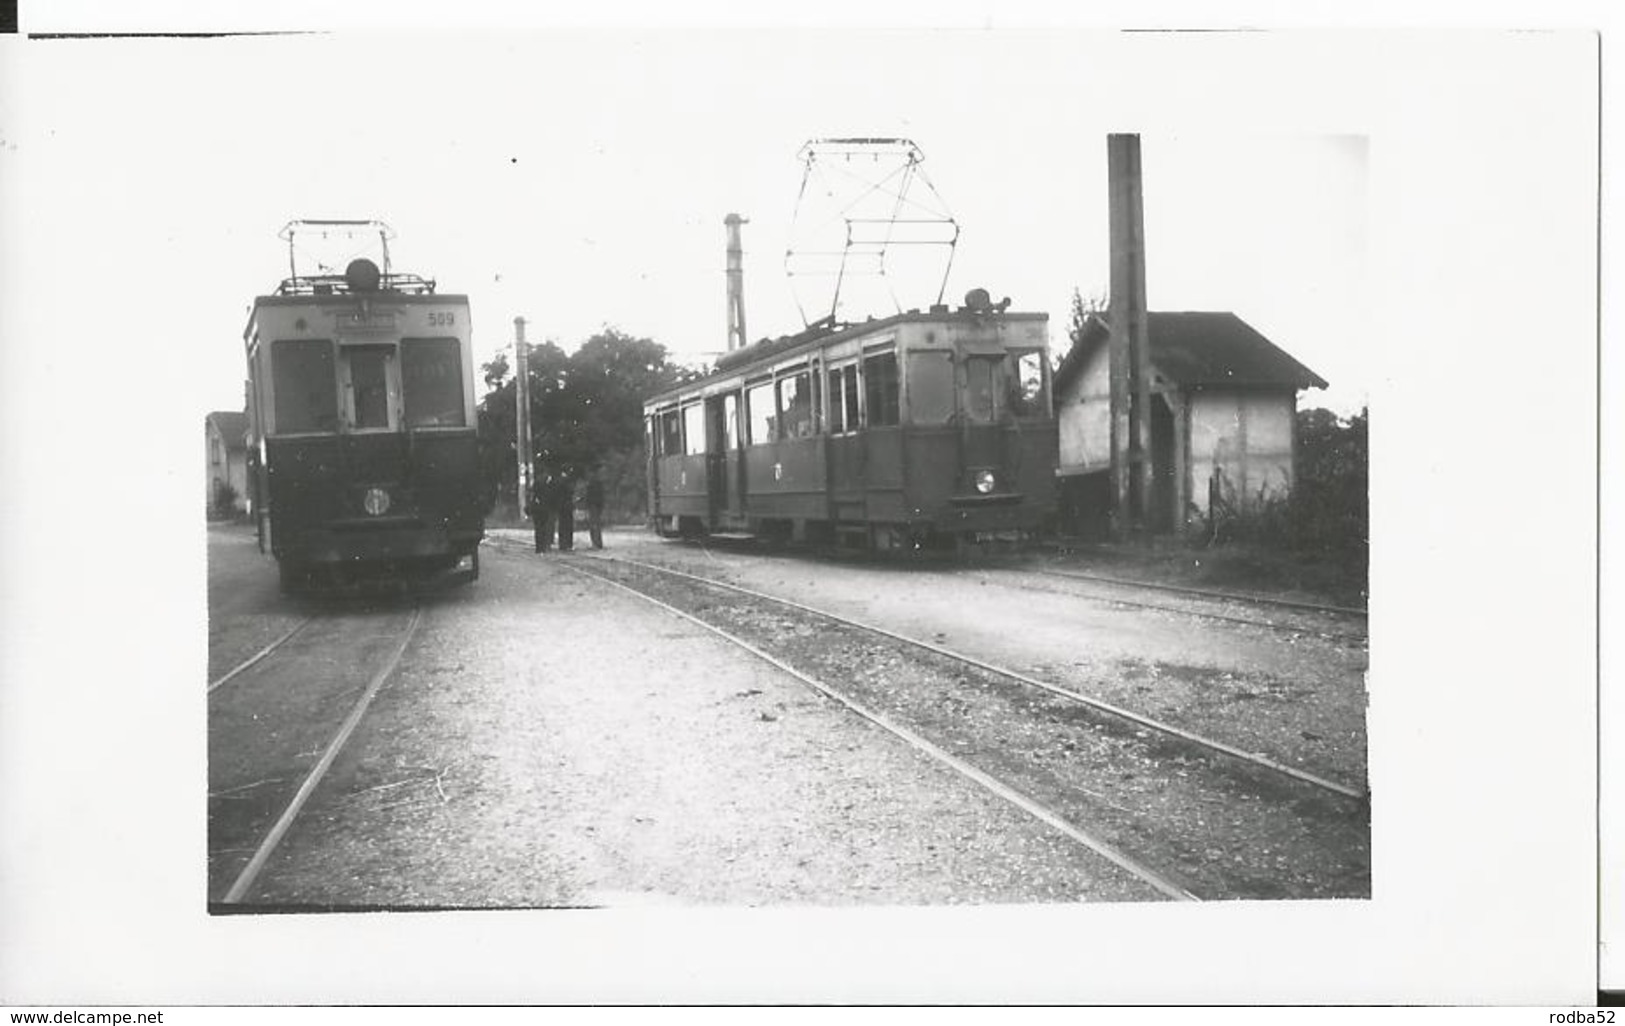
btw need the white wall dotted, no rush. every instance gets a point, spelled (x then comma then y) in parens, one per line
(1248, 437)
(220, 462)
(1084, 416)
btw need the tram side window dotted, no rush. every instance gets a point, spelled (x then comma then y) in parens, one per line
(671, 434)
(302, 379)
(760, 414)
(843, 399)
(796, 405)
(880, 388)
(432, 375)
(694, 430)
(1027, 384)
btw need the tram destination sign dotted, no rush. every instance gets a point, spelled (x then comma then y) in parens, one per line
(356, 322)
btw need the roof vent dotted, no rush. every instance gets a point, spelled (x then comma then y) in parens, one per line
(978, 301)
(362, 275)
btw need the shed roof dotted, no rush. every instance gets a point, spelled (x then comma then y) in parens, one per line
(1201, 349)
(233, 427)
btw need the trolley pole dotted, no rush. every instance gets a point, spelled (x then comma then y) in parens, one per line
(1129, 347)
(521, 404)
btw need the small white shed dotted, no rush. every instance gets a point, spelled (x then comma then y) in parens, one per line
(226, 459)
(1223, 406)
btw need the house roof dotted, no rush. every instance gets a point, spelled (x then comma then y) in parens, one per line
(233, 427)
(1200, 349)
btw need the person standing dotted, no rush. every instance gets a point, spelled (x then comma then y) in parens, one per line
(541, 523)
(595, 508)
(565, 510)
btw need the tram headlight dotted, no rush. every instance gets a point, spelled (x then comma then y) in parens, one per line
(376, 502)
(984, 481)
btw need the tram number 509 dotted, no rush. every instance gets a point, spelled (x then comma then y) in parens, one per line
(442, 319)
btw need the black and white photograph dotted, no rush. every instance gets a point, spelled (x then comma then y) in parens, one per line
(738, 512)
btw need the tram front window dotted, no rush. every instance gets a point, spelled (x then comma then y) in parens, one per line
(432, 376)
(369, 386)
(980, 394)
(930, 386)
(1027, 384)
(302, 383)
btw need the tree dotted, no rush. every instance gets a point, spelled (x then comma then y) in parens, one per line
(1330, 500)
(1082, 310)
(496, 372)
(586, 412)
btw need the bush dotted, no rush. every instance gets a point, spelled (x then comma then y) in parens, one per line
(1326, 519)
(223, 505)
(1331, 503)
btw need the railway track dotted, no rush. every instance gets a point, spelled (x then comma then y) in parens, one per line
(254, 660)
(1313, 618)
(277, 731)
(1304, 618)
(1209, 593)
(1194, 817)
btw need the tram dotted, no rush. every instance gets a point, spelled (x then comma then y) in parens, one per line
(923, 429)
(362, 431)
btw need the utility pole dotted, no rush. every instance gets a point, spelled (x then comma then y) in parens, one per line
(1129, 347)
(521, 405)
(736, 283)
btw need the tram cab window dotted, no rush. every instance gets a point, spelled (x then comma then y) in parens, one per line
(302, 381)
(671, 434)
(1027, 384)
(880, 388)
(367, 383)
(432, 377)
(760, 414)
(981, 393)
(930, 386)
(694, 429)
(796, 405)
(843, 399)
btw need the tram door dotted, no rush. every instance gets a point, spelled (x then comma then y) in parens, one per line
(724, 460)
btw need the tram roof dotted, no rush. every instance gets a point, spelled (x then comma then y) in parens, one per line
(306, 299)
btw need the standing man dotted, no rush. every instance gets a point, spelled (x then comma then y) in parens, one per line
(565, 510)
(595, 507)
(541, 524)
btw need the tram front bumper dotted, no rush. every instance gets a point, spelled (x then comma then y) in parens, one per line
(989, 514)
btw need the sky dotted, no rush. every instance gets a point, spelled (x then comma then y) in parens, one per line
(581, 178)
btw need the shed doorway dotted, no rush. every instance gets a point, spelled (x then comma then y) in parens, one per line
(1164, 517)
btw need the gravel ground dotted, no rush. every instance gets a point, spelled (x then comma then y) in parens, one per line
(1221, 831)
(548, 741)
(1297, 698)
(246, 608)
